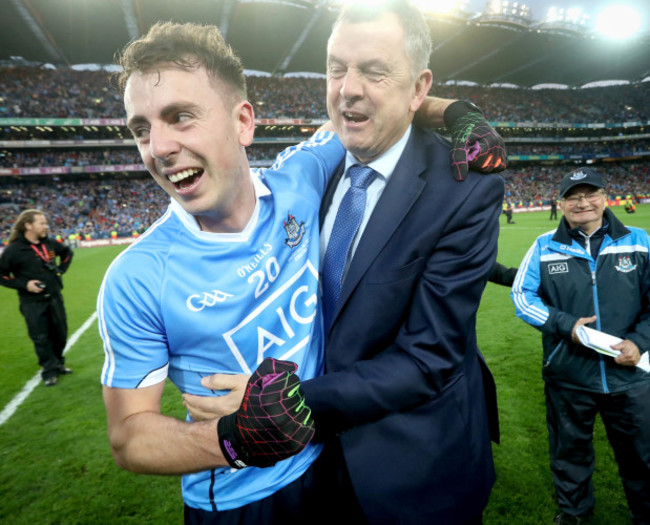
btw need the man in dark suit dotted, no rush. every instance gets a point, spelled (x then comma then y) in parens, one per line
(406, 406)
(402, 404)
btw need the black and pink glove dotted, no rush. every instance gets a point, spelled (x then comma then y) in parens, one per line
(272, 423)
(474, 143)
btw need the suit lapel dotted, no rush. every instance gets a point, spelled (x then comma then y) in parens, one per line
(400, 194)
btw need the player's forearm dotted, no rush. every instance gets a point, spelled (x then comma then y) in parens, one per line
(431, 112)
(150, 443)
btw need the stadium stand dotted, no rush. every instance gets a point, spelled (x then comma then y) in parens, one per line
(62, 134)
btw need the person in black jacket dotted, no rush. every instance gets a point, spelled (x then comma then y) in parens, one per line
(29, 265)
(553, 216)
(502, 275)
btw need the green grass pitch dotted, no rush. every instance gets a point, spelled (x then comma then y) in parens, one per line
(55, 462)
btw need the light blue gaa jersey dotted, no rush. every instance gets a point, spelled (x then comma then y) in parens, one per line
(187, 303)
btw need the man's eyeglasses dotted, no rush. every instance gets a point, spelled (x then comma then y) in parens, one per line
(589, 197)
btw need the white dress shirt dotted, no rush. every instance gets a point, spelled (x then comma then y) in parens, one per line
(384, 166)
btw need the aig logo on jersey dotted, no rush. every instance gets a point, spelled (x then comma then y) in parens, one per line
(625, 264)
(558, 267)
(295, 231)
(281, 324)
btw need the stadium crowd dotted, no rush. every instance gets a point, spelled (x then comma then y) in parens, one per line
(47, 93)
(535, 184)
(94, 208)
(103, 206)
(13, 158)
(65, 157)
(97, 208)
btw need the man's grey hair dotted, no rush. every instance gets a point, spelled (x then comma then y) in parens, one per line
(416, 30)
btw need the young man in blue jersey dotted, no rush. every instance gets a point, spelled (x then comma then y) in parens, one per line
(406, 407)
(232, 264)
(592, 270)
(227, 277)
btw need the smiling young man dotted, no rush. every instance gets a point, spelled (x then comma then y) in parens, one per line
(227, 277)
(591, 270)
(176, 133)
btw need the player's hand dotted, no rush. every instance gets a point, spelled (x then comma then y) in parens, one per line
(580, 322)
(201, 408)
(272, 423)
(474, 143)
(630, 353)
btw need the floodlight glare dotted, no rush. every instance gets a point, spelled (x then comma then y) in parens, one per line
(618, 21)
(441, 6)
(574, 14)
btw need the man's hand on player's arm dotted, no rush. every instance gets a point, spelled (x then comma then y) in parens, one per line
(201, 408)
(474, 143)
(271, 424)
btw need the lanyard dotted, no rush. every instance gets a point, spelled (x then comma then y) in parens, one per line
(44, 255)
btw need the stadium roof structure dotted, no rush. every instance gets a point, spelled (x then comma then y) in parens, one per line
(289, 36)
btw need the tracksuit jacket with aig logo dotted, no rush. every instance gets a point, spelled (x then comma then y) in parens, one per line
(559, 281)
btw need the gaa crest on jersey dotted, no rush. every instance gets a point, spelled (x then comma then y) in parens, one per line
(295, 231)
(198, 302)
(625, 264)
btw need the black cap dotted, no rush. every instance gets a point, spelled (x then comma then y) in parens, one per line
(580, 176)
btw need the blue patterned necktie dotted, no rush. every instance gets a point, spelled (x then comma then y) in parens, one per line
(346, 224)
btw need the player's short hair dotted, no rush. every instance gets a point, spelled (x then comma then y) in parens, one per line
(416, 32)
(188, 46)
(26, 217)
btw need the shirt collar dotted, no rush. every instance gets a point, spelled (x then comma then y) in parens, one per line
(261, 190)
(578, 232)
(385, 163)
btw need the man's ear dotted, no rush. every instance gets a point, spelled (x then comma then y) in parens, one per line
(245, 123)
(422, 86)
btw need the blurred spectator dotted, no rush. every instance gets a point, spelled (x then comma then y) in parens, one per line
(87, 207)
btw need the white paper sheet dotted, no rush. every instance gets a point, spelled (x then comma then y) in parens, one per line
(601, 342)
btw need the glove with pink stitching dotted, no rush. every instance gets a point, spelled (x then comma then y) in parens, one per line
(272, 423)
(474, 143)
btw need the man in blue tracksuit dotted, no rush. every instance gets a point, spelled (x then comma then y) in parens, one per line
(592, 271)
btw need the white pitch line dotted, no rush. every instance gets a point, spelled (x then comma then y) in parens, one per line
(13, 405)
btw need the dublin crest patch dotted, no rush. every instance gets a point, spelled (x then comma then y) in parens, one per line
(625, 265)
(295, 231)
